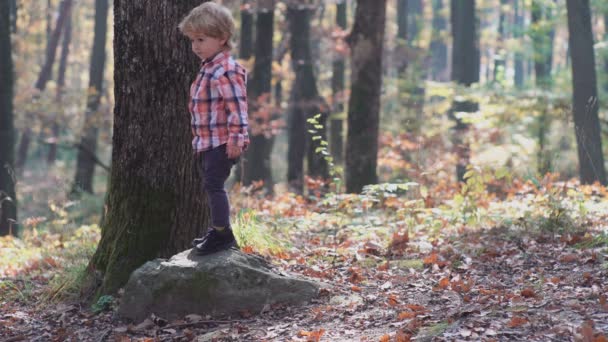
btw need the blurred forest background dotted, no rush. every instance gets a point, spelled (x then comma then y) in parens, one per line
(461, 104)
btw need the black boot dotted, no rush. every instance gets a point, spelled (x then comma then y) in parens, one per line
(214, 241)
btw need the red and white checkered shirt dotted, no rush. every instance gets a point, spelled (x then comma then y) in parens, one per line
(218, 104)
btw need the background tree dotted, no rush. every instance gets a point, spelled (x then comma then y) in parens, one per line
(155, 204)
(366, 41)
(8, 202)
(518, 72)
(54, 120)
(439, 49)
(85, 160)
(585, 101)
(257, 158)
(304, 102)
(44, 76)
(336, 143)
(465, 71)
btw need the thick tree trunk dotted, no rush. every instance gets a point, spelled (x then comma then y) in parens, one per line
(585, 101)
(366, 40)
(439, 49)
(336, 143)
(63, 61)
(246, 35)
(155, 202)
(85, 160)
(8, 201)
(465, 71)
(304, 102)
(257, 159)
(43, 77)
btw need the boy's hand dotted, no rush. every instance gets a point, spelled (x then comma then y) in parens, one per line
(233, 152)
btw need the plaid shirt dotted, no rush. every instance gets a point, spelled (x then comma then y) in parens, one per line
(218, 104)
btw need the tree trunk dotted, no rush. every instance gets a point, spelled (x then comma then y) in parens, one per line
(304, 102)
(43, 77)
(336, 143)
(13, 14)
(606, 53)
(155, 201)
(585, 101)
(414, 21)
(517, 33)
(465, 71)
(246, 36)
(500, 56)
(63, 60)
(439, 49)
(8, 201)
(366, 41)
(542, 38)
(257, 159)
(85, 160)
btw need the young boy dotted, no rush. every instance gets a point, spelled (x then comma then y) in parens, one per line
(218, 108)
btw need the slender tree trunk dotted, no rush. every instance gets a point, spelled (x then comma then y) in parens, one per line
(606, 53)
(414, 21)
(336, 143)
(155, 201)
(366, 40)
(585, 109)
(85, 160)
(8, 201)
(519, 9)
(500, 56)
(43, 77)
(304, 103)
(13, 14)
(258, 163)
(542, 39)
(465, 71)
(439, 49)
(63, 61)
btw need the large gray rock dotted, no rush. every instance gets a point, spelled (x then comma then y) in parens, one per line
(222, 283)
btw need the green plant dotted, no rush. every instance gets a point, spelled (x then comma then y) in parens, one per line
(103, 303)
(333, 169)
(249, 230)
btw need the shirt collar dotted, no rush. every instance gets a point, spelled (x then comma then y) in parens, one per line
(221, 55)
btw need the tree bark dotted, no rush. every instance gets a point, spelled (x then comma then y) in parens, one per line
(500, 56)
(257, 159)
(155, 201)
(336, 143)
(585, 101)
(517, 33)
(304, 102)
(8, 201)
(13, 15)
(366, 41)
(246, 36)
(43, 77)
(63, 61)
(465, 71)
(542, 39)
(439, 49)
(85, 160)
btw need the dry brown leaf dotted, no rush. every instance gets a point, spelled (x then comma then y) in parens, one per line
(444, 283)
(392, 300)
(568, 258)
(415, 307)
(528, 293)
(312, 336)
(400, 336)
(355, 288)
(406, 315)
(385, 338)
(517, 321)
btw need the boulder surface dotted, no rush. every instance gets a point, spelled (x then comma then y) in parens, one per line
(224, 283)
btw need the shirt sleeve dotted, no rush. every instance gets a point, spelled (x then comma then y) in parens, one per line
(233, 90)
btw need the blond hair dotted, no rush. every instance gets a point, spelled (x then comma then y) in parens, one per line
(210, 19)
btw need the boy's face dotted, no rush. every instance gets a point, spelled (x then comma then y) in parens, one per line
(204, 46)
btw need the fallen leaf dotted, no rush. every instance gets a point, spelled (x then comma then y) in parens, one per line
(415, 307)
(400, 336)
(313, 336)
(444, 283)
(568, 258)
(528, 293)
(355, 288)
(392, 300)
(385, 338)
(517, 321)
(406, 315)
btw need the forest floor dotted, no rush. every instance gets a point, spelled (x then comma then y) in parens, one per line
(396, 265)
